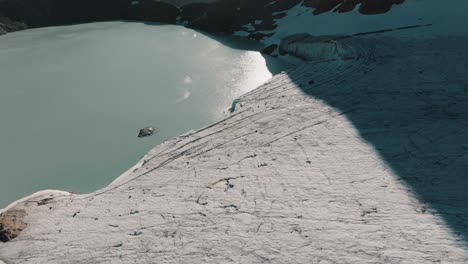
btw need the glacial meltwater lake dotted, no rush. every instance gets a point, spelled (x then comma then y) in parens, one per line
(73, 98)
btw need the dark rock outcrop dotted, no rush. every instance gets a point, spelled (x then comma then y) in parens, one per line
(150, 10)
(269, 49)
(7, 25)
(224, 16)
(39, 13)
(318, 48)
(229, 15)
(20, 14)
(146, 132)
(11, 224)
(367, 7)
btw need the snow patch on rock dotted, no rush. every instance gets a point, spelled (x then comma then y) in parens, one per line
(446, 18)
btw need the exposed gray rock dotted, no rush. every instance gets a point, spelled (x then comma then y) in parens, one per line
(145, 132)
(310, 48)
(11, 224)
(8, 25)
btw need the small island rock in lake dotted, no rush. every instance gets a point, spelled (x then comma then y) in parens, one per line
(146, 132)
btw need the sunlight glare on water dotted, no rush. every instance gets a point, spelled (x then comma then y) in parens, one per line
(73, 98)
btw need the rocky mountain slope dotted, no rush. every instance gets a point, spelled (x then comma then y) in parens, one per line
(209, 15)
(356, 155)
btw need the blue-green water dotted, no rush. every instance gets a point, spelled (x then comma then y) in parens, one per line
(73, 98)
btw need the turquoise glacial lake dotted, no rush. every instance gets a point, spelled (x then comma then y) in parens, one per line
(73, 98)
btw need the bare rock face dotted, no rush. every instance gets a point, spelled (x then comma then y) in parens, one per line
(50, 13)
(149, 10)
(11, 224)
(230, 15)
(214, 16)
(146, 132)
(270, 49)
(366, 6)
(19, 14)
(311, 48)
(8, 25)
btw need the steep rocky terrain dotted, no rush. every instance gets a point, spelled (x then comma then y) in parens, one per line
(217, 16)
